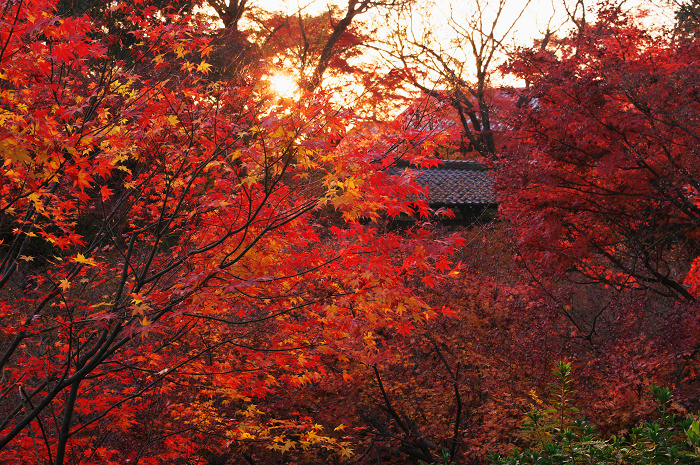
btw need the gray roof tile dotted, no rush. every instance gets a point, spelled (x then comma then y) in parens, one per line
(456, 183)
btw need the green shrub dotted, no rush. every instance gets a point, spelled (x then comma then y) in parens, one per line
(562, 437)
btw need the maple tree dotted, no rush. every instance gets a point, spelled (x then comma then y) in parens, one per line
(459, 74)
(603, 160)
(329, 50)
(598, 184)
(305, 45)
(165, 276)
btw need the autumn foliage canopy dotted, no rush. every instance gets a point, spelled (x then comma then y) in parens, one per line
(165, 261)
(196, 270)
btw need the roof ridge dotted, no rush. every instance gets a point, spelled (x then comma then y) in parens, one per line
(466, 165)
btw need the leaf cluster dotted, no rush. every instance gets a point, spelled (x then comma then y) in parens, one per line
(668, 439)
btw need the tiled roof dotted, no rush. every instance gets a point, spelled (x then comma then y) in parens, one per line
(456, 182)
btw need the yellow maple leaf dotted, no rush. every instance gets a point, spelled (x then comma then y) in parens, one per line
(80, 258)
(203, 67)
(287, 445)
(187, 66)
(64, 285)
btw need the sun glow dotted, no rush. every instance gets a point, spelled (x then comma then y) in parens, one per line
(284, 85)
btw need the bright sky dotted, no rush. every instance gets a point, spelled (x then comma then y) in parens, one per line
(539, 15)
(536, 18)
